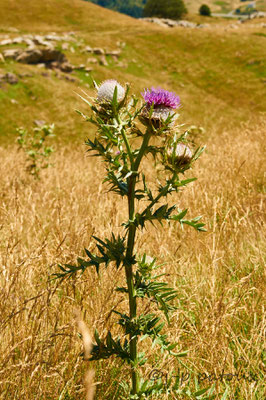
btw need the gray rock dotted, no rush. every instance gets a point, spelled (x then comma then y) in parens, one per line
(115, 53)
(88, 49)
(41, 65)
(32, 56)
(92, 60)
(40, 56)
(11, 78)
(40, 41)
(80, 67)
(53, 65)
(6, 42)
(70, 78)
(98, 51)
(170, 23)
(53, 38)
(66, 67)
(18, 40)
(49, 55)
(30, 43)
(103, 61)
(25, 75)
(65, 46)
(115, 58)
(11, 53)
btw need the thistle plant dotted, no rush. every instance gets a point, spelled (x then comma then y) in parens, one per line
(129, 130)
(35, 148)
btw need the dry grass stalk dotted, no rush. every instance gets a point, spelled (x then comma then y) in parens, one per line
(87, 344)
(219, 275)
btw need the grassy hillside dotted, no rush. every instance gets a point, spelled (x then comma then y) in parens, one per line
(219, 74)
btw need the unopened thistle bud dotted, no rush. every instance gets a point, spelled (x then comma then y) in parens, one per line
(178, 156)
(161, 104)
(106, 91)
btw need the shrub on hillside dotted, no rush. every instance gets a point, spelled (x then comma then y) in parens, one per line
(205, 10)
(173, 9)
(35, 148)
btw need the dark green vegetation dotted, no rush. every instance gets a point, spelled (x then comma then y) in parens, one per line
(173, 9)
(205, 10)
(134, 8)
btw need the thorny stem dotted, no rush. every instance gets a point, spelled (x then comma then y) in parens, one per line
(124, 136)
(163, 192)
(129, 267)
(129, 152)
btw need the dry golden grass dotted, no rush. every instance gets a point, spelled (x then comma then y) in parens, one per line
(220, 77)
(219, 274)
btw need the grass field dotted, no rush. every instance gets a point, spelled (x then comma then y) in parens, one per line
(219, 74)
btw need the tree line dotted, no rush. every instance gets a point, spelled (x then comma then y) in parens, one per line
(173, 9)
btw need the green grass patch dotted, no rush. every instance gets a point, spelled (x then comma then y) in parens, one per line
(259, 34)
(84, 76)
(258, 67)
(221, 3)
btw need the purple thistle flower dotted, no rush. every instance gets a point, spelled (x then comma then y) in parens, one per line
(161, 97)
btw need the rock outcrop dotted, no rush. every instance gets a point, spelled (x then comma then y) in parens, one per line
(10, 78)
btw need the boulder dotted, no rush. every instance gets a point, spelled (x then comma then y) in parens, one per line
(30, 43)
(49, 55)
(53, 38)
(70, 78)
(9, 78)
(66, 67)
(6, 42)
(98, 51)
(92, 60)
(113, 53)
(25, 75)
(11, 53)
(103, 61)
(80, 67)
(18, 40)
(53, 65)
(30, 56)
(40, 56)
(88, 49)
(40, 41)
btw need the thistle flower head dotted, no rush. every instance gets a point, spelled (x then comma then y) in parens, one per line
(106, 91)
(158, 117)
(161, 97)
(162, 104)
(179, 155)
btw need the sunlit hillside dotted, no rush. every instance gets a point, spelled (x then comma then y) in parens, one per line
(219, 73)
